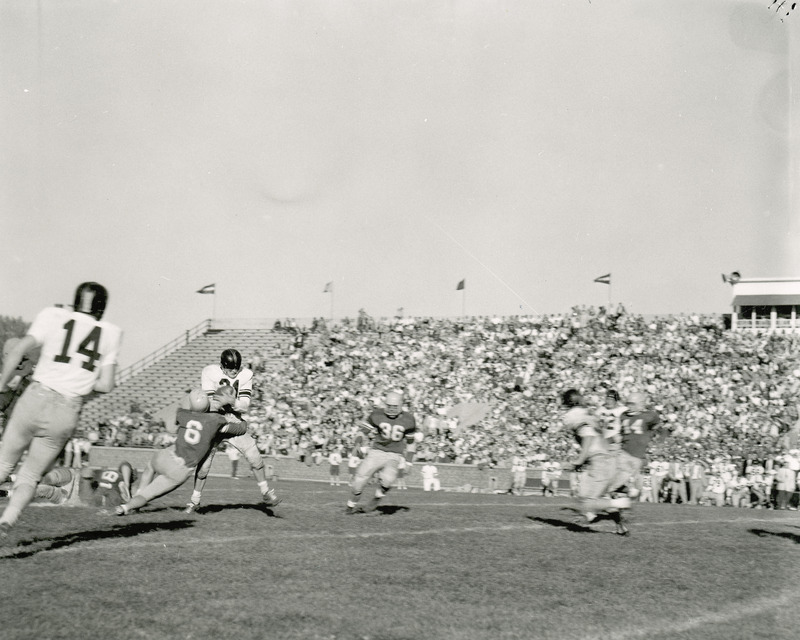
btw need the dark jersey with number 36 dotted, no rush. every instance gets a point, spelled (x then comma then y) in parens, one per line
(196, 433)
(390, 433)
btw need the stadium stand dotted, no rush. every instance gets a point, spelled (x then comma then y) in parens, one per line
(156, 387)
(720, 393)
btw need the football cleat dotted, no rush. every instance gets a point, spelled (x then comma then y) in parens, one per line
(4, 529)
(120, 511)
(353, 510)
(271, 499)
(191, 507)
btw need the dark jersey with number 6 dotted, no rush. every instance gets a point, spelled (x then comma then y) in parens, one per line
(196, 433)
(390, 433)
(637, 429)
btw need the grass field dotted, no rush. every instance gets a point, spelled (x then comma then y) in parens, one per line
(430, 565)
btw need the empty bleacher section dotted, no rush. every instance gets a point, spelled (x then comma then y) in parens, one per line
(155, 383)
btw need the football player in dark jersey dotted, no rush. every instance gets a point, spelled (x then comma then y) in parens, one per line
(113, 486)
(638, 424)
(105, 488)
(197, 433)
(390, 428)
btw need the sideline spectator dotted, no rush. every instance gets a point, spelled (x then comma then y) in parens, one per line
(430, 477)
(334, 462)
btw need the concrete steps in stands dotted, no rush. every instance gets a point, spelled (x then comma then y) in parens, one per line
(158, 386)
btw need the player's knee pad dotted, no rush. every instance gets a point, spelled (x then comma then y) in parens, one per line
(387, 477)
(359, 482)
(253, 456)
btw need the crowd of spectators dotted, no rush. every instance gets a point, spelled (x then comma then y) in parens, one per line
(720, 393)
(136, 428)
(487, 388)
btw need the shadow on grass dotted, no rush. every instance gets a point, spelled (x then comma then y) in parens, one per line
(391, 509)
(257, 506)
(28, 548)
(216, 508)
(569, 525)
(763, 533)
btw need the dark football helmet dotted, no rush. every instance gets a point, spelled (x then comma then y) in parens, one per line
(230, 360)
(571, 398)
(91, 298)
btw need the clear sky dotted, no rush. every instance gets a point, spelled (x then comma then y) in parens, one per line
(392, 148)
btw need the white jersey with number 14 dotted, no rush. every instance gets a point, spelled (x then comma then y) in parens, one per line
(75, 347)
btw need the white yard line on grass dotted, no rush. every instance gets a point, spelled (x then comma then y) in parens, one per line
(111, 545)
(727, 614)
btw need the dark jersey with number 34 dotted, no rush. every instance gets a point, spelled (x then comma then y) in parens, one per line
(196, 433)
(637, 429)
(390, 433)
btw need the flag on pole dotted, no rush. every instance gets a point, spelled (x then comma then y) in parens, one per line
(461, 285)
(606, 279)
(328, 288)
(209, 288)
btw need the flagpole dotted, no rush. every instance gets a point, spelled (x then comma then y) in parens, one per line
(214, 305)
(331, 303)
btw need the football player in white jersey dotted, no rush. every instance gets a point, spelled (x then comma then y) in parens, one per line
(610, 414)
(229, 372)
(78, 356)
(600, 475)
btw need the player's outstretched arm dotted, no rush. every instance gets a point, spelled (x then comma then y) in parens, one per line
(24, 347)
